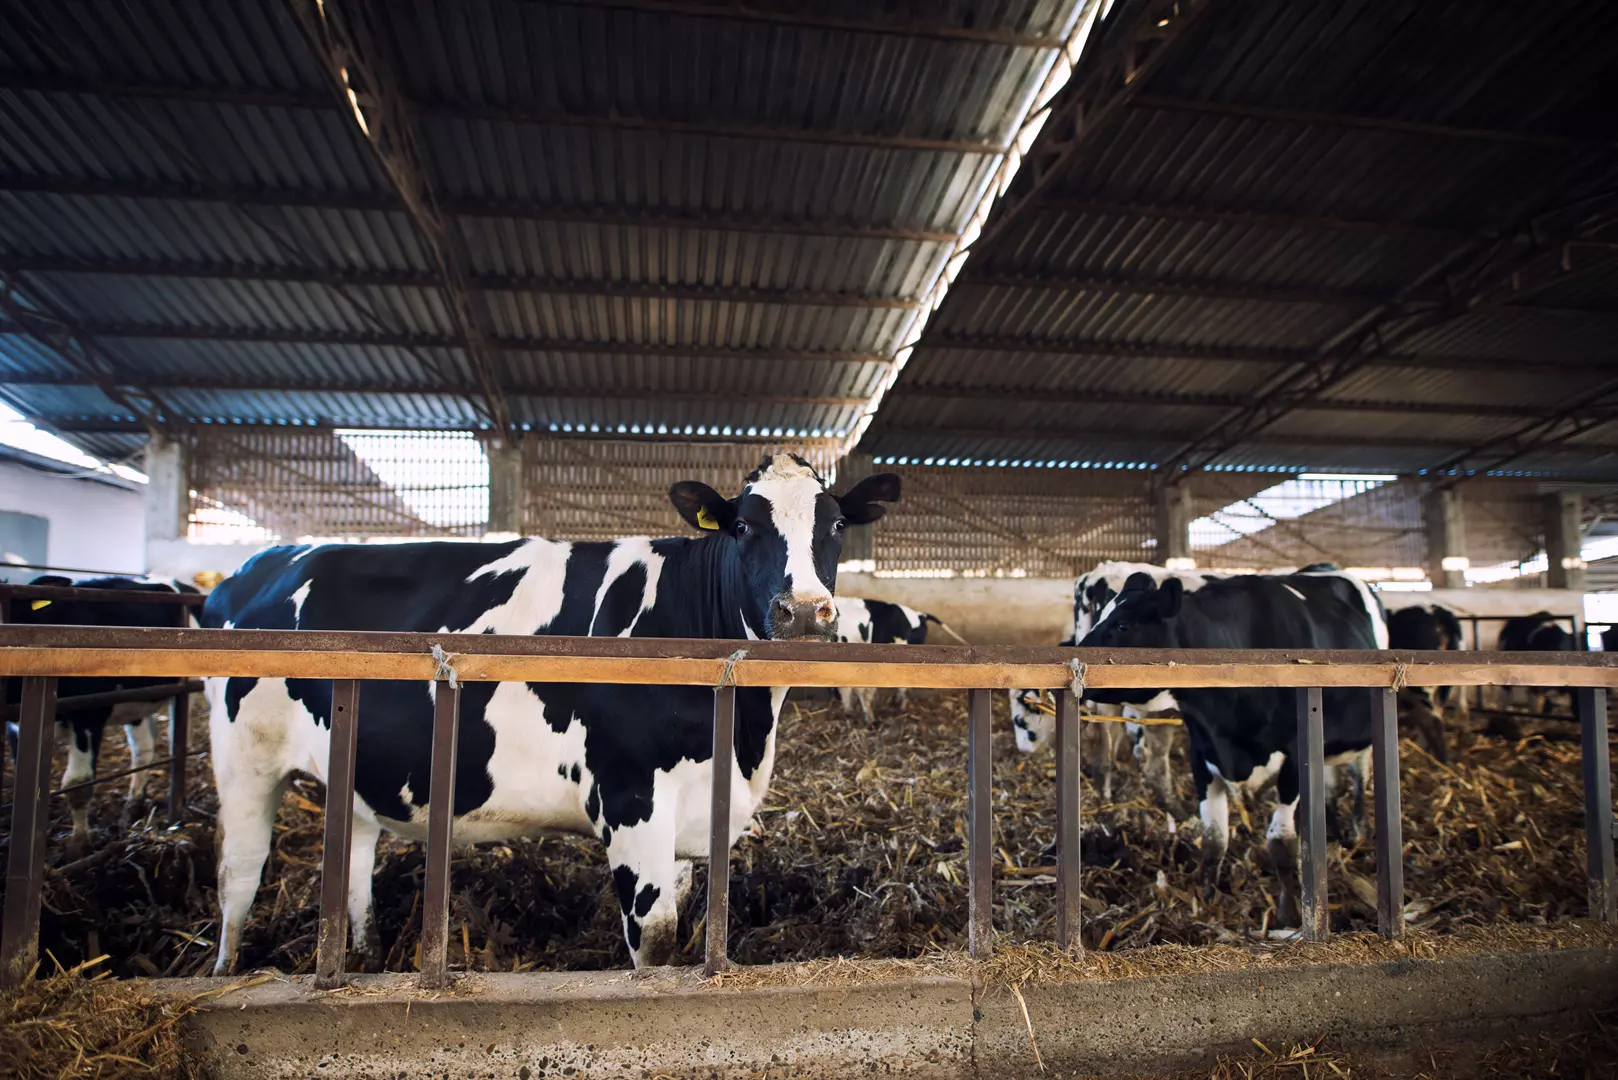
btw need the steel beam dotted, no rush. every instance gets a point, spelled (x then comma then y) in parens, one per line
(497, 209)
(341, 39)
(1249, 218)
(1148, 286)
(1593, 410)
(817, 17)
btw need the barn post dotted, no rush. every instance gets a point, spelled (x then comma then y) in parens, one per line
(1173, 510)
(1390, 866)
(179, 734)
(1444, 517)
(30, 816)
(1564, 540)
(505, 485)
(332, 946)
(440, 812)
(1591, 702)
(168, 488)
(724, 752)
(1069, 784)
(979, 826)
(1312, 810)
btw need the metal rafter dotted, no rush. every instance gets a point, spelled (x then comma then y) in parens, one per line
(1464, 282)
(29, 314)
(1139, 286)
(814, 16)
(1111, 72)
(498, 209)
(1216, 215)
(420, 279)
(342, 41)
(511, 113)
(1593, 409)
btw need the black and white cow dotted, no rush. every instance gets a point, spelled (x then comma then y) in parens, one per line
(1245, 736)
(1539, 632)
(628, 764)
(83, 729)
(1427, 628)
(877, 622)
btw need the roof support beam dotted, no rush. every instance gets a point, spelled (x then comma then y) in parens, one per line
(498, 209)
(809, 16)
(19, 82)
(1264, 218)
(1108, 75)
(417, 279)
(1592, 410)
(340, 35)
(1144, 286)
(1235, 110)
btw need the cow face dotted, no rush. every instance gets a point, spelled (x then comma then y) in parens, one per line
(1142, 616)
(783, 537)
(1033, 718)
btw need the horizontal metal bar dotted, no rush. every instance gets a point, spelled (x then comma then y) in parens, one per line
(100, 596)
(1138, 286)
(810, 16)
(83, 702)
(509, 209)
(35, 650)
(1248, 217)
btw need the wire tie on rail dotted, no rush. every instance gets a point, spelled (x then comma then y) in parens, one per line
(1401, 674)
(1079, 669)
(727, 676)
(446, 670)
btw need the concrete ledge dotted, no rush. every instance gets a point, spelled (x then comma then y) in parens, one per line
(674, 1024)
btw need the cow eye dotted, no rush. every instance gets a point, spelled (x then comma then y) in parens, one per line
(742, 528)
(839, 525)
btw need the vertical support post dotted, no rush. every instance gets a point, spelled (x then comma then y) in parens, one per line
(724, 752)
(505, 485)
(1564, 538)
(1312, 812)
(1444, 515)
(1069, 786)
(979, 826)
(1591, 702)
(440, 814)
(332, 948)
(1173, 510)
(179, 735)
(1390, 864)
(30, 813)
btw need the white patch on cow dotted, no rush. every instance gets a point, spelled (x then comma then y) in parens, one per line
(80, 767)
(1373, 610)
(912, 617)
(624, 555)
(1294, 592)
(298, 598)
(1283, 821)
(536, 600)
(141, 751)
(406, 797)
(529, 797)
(853, 620)
(792, 490)
(1215, 812)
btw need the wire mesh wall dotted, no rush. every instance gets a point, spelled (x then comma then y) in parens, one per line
(1294, 522)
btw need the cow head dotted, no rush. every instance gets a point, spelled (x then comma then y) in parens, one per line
(1033, 718)
(1141, 616)
(783, 537)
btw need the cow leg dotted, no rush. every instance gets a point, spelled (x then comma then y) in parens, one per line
(1154, 749)
(1215, 812)
(84, 734)
(248, 799)
(1281, 841)
(1333, 778)
(645, 877)
(1103, 748)
(866, 695)
(901, 697)
(361, 872)
(138, 733)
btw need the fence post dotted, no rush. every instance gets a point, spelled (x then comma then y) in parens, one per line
(1390, 864)
(979, 823)
(179, 737)
(1312, 811)
(1591, 703)
(1069, 786)
(332, 949)
(724, 752)
(440, 814)
(30, 815)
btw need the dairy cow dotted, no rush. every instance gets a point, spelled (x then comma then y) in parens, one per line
(83, 729)
(1245, 736)
(1423, 627)
(628, 764)
(1539, 632)
(877, 622)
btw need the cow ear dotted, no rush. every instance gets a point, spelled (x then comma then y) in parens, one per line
(53, 580)
(1169, 595)
(863, 502)
(701, 506)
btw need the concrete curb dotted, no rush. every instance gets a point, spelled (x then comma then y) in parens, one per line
(673, 1024)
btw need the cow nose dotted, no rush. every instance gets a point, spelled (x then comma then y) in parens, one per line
(795, 617)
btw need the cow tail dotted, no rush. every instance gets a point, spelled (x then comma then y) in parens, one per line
(944, 627)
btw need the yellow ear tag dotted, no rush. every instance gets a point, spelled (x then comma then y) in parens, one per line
(706, 520)
(37, 604)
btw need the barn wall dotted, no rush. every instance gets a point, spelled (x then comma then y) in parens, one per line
(93, 525)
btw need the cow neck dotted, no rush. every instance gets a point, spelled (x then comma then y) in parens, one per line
(711, 588)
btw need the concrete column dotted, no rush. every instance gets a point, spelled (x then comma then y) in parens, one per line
(859, 541)
(505, 485)
(1173, 510)
(1564, 536)
(1443, 514)
(168, 488)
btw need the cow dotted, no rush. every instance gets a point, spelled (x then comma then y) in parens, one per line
(1538, 632)
(877, 622)
(1246, 736)
(1427, 628)
(83, 729)
(631, 765)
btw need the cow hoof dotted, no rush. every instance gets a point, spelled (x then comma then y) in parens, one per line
(78, 845)
(1287, 915)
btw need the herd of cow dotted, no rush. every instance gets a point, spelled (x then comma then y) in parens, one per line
(631, 765)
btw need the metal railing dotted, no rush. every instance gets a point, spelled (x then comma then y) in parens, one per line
(43, 654)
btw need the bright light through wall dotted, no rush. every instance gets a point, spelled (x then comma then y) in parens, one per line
(442, 477)
(18, 432)
(1289, 499)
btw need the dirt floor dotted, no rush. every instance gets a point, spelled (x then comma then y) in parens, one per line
(859, 850)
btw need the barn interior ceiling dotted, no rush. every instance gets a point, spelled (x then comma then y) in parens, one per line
(1377, 235)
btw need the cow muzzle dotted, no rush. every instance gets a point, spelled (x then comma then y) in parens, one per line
(812, 617)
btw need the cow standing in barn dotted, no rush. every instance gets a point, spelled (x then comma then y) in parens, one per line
(1427, 628)
(1247, 736)
(631, 765)
(1538, 632)
(878, 622)
(83, 729)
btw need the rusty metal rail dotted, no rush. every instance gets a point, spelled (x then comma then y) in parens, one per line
(42, 654)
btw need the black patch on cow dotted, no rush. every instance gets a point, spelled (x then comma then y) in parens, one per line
(621, 602)
(606, 836)
(235, 690)
(645, 899)
(561, 770)
(592, 804)
(575, 772)
(624, 881)
(632, 931)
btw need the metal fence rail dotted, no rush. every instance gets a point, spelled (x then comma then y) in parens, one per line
(43, 654)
